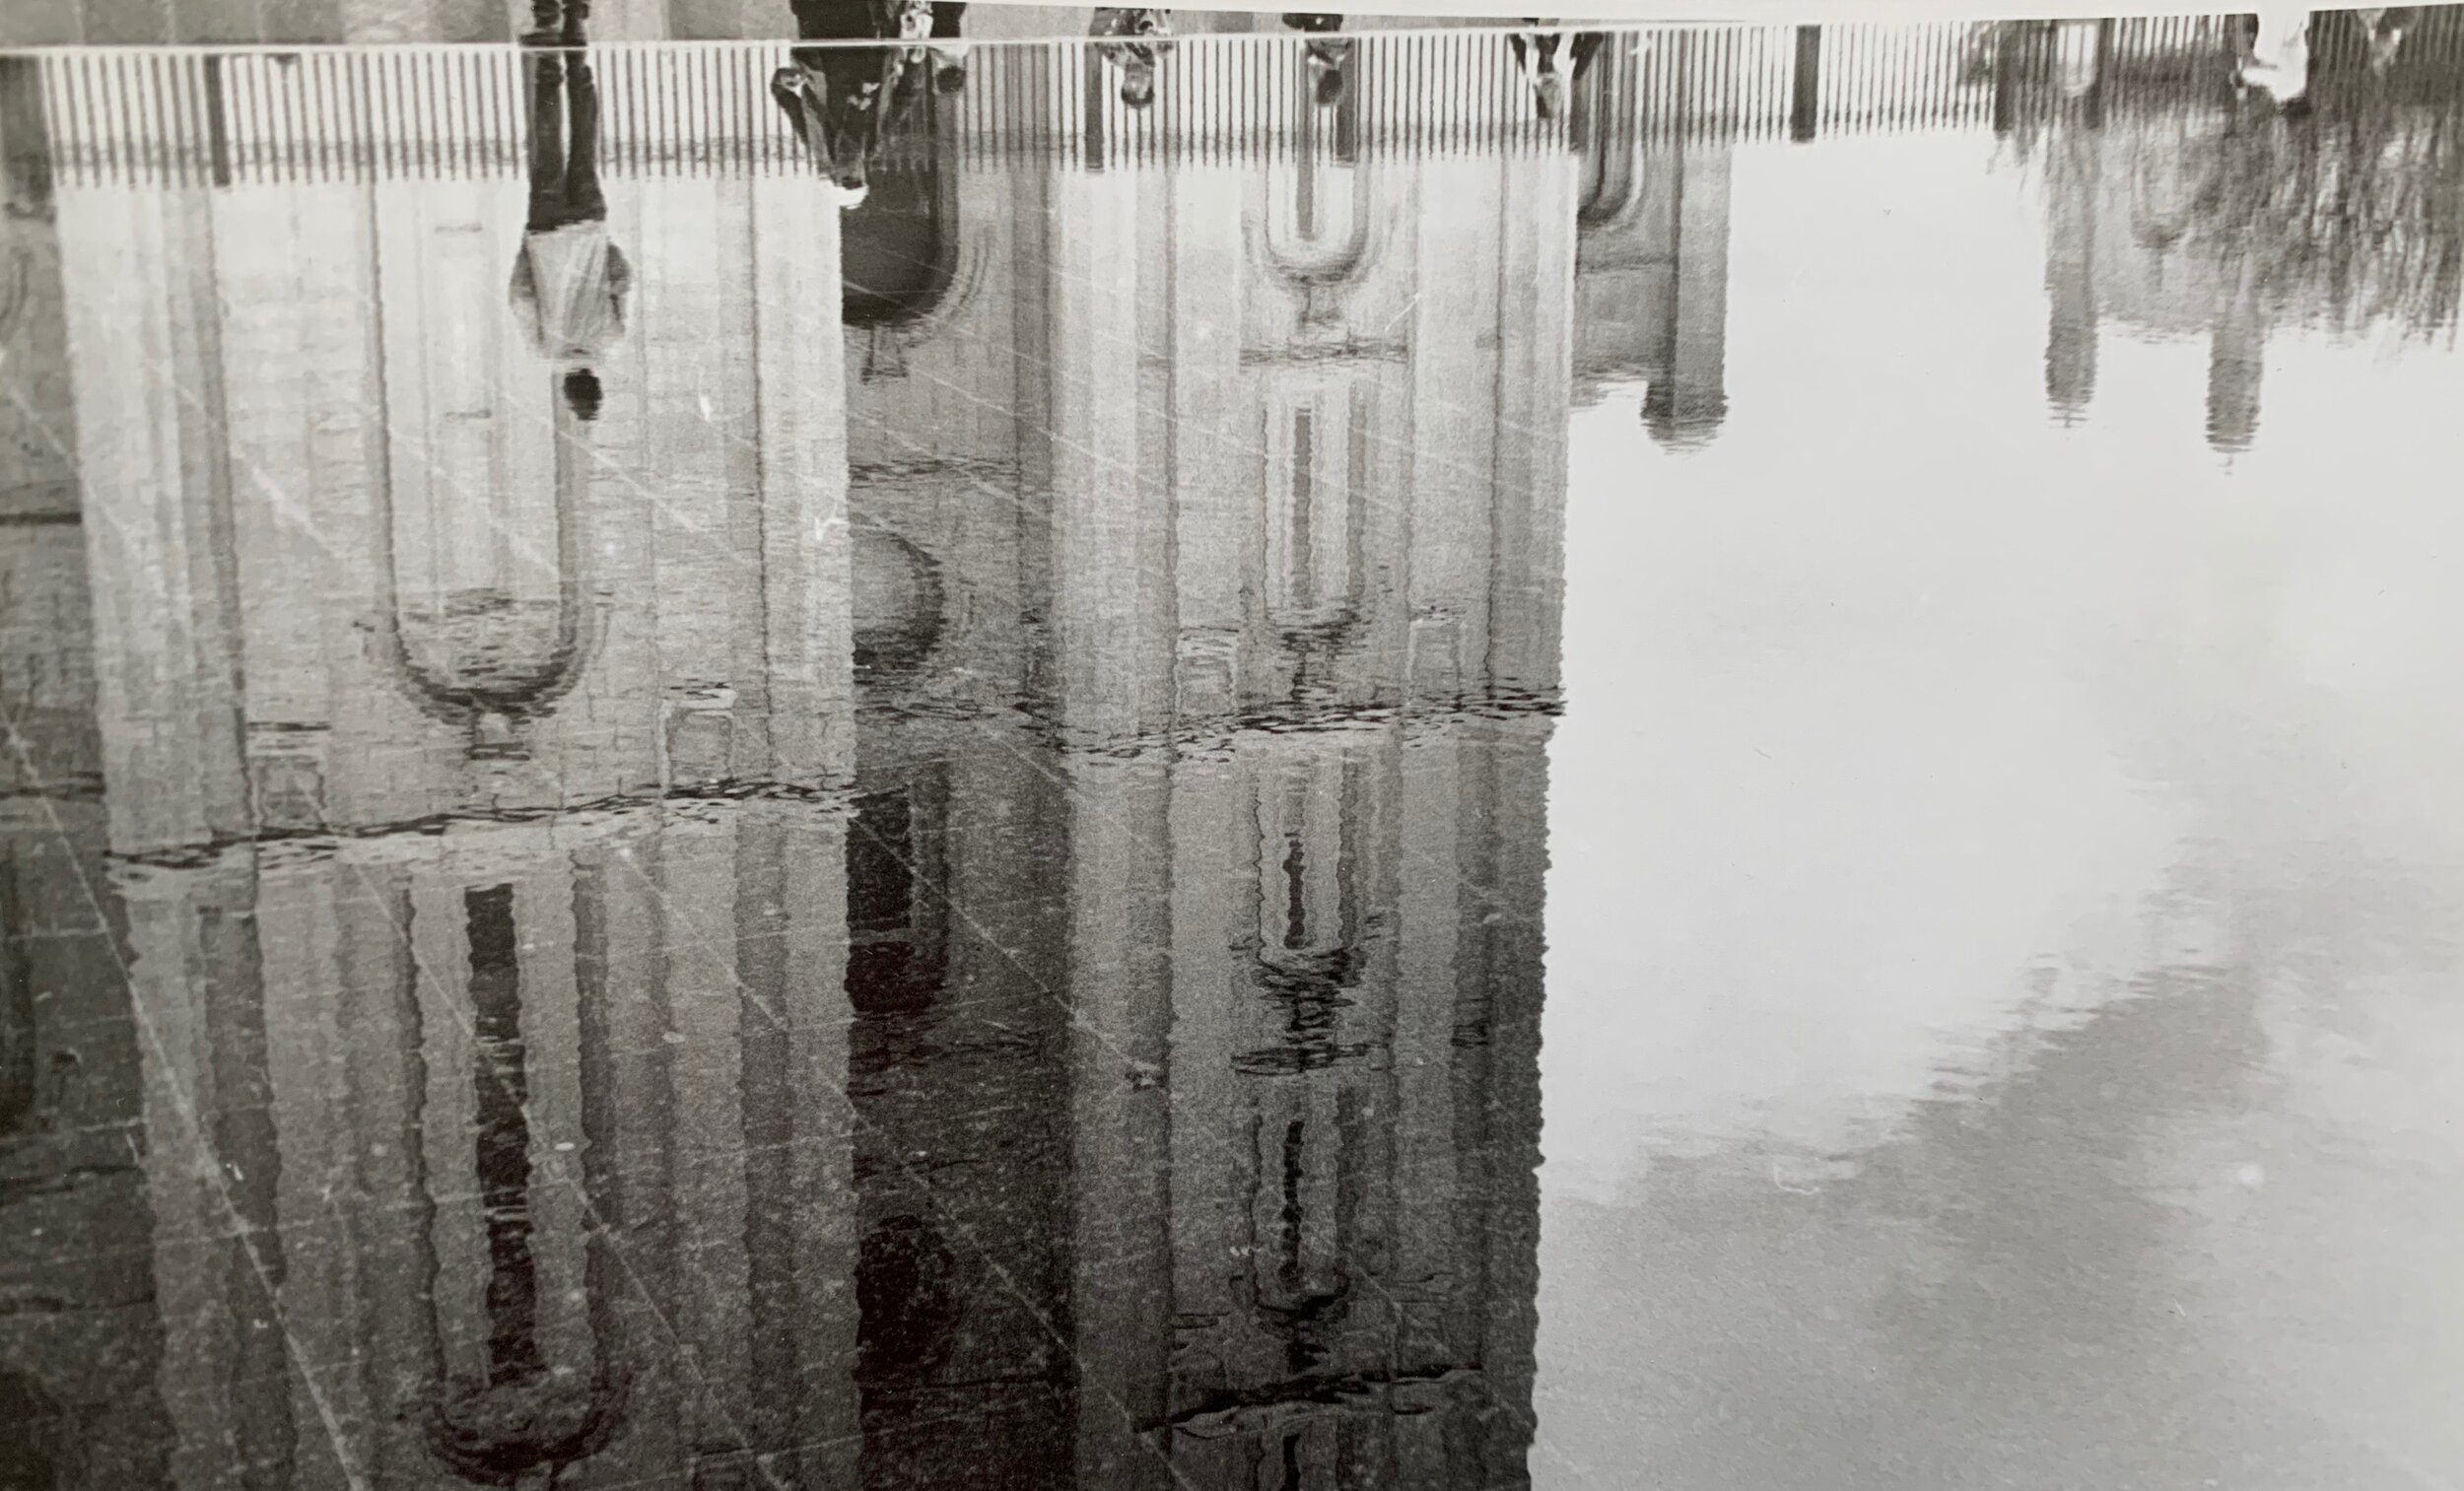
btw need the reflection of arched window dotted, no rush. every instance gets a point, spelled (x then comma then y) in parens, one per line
(1318, 226)
(898, 605)
(484, 616)
(523, 1415)
(908, 1301)
(19, 1074)
(897, 919)
(1307, 961)
(1310, 914)
(902, 256)
(1316, 453)
(1609, 183)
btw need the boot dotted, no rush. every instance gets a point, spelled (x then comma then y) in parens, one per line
(543, 24)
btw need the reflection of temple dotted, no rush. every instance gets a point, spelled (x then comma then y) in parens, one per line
(2223, 227)
(1651, 269)
(1024, 974)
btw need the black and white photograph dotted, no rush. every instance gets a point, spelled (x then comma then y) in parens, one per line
(797, 745)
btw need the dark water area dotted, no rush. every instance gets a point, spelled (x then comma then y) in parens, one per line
(1736, 770)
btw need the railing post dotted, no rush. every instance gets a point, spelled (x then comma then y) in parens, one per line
(1804, 103)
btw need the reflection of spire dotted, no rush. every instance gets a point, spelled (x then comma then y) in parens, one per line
(1687, 399)
(2236, 353)
(2070, 183)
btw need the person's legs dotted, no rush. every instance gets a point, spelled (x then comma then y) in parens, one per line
(949, 52)
(584, 201)
(547, 143)
(834, 19)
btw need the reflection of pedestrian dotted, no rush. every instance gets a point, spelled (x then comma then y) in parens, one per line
(558, 25)
(841, 100)
(1539, 53)
(1330, 53)
(2276, 60)
(1135, 41)
(571, 279)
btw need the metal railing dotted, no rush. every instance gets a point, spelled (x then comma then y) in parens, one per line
(228, 117)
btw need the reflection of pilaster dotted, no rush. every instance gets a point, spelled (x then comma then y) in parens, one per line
(804, 628)
(2236, 367)
(1536, 351)
(957, 1079)
(743, 462)
(1455, 356)
(1111, 508)
(1121, 995)
(1213, 437)
(2071, 183)
(139, 275)
(213, 1172)
(1686, 404)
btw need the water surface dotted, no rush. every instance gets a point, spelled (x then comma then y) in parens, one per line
(1743, 783)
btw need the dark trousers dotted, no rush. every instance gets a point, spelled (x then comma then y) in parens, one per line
(564, 144)
(863, 20)
(547, 15)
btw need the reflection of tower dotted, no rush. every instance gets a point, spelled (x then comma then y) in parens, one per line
(2201, 228)
(513, 1050)
(1301, 1102)
(515, 1040)
(1281, 441)
(1650, 277)
(961, 1185)
(2072, 185)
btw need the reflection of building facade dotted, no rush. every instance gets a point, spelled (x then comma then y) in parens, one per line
(412, 578)
(558, 1070)
(495, 1134)
(80, 1339)
(1211, 451)
(2224, 226)
(1651, 269)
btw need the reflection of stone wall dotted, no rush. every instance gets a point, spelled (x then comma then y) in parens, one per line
(1321, 473)
(1191, 447)
(660, 990)
(80, 1336)
(1308, 1108)
(664, 1133)
(316, 396)
(335, 462)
